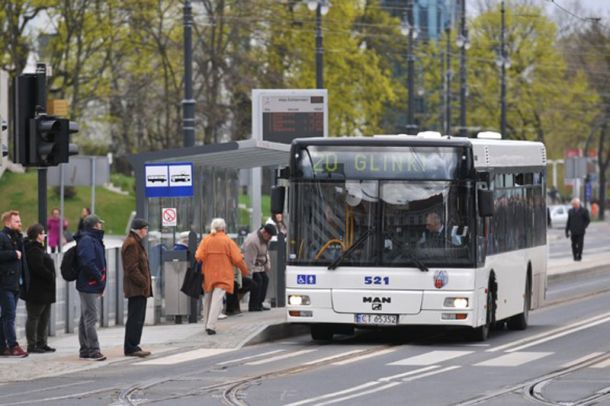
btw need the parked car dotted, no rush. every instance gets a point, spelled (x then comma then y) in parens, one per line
(559, 215)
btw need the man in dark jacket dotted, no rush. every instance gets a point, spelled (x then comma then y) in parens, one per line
(41, 293)
(578, 220)
(12, 274)
(91, 282)
(137, 286)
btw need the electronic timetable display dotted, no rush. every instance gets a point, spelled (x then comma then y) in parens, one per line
(283, 115)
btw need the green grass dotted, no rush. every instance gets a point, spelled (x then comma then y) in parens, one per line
(244, 215)
(126, 183)
(20, 192)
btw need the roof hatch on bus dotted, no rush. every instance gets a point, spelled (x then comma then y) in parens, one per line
(489, 135)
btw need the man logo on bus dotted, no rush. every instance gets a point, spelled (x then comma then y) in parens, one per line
(440, 279)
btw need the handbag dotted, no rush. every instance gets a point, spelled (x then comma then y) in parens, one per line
(192, 283)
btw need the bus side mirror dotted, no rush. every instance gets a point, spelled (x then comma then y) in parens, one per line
(486, 203)
(278, 194)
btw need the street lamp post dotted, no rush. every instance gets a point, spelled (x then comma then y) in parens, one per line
(449, 75)
(188, 104)
(463, 43)
(321, 8)
(408, 29)
(503, 64)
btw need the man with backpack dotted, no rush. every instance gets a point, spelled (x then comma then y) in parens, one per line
(91, 282)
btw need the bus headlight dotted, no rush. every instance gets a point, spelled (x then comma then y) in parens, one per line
(456, 302)
(298, 300)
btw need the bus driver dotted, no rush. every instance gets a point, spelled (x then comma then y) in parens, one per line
(434, 235)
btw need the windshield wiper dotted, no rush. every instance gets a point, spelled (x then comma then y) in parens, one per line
(351, 249)
(412, 257)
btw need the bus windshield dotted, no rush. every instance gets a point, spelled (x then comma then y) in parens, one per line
(406, 222)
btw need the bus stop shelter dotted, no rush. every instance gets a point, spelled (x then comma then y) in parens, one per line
(216, 193)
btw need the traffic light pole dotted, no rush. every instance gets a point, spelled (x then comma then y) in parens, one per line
(42, 197)
(41, 104)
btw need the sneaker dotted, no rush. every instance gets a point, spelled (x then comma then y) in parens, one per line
(18, 352)
(46, 348)
(5, 352)
(210, 331)
(138, 353)
(263, 307)
(36, 350)
(97, 356)
(222, 316)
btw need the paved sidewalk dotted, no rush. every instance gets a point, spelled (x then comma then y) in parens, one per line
(233, 332)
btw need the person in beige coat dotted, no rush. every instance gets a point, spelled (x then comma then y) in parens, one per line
(218, 254)
(137, 286)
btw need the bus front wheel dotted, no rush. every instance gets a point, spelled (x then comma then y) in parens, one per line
(482, 332)
(322, 332)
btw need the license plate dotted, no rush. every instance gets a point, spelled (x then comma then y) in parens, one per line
(378, 319)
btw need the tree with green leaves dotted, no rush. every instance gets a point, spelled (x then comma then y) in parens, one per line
(588, 50)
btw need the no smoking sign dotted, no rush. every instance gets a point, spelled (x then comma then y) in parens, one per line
(169, 217)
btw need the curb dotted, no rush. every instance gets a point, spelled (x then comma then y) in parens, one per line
(592, 270)
(276, 332)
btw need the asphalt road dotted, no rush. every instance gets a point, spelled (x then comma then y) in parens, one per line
(563, 358)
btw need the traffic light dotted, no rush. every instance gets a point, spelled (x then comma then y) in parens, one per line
(39, 139)
(49, 140)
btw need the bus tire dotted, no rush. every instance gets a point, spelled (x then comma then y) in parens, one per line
(520, 321)
(321, 332)
(481, 333)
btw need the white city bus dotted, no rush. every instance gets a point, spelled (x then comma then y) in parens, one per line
(415, 230)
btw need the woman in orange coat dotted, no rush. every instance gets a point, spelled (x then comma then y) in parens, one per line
(219, 254)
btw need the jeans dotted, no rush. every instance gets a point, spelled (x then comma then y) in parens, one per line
(8, 310)
(37, 324)
(87, 333)
(258, 294)
(136, 313)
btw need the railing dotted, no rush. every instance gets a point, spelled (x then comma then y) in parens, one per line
(65, 312)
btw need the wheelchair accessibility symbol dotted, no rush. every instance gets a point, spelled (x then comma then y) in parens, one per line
(306, 279)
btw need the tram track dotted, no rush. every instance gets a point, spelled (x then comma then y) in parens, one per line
(532, 388)
(231, 392)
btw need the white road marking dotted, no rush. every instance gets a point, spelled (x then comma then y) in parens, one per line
(356, 395)
(548, 333)
(602, 364)
(343, 354)
(513, 359)
(279, 357)
(432, 357)
(232, 361)
(581, 359)
(409, 373)
(565, 333)
(385, 383)
(365, 356)
(185, 356)
(330, 395)
(447, 369)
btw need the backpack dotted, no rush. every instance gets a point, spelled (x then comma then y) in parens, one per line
(69, 266)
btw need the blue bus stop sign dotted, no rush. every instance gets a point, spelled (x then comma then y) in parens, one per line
(169, 179)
